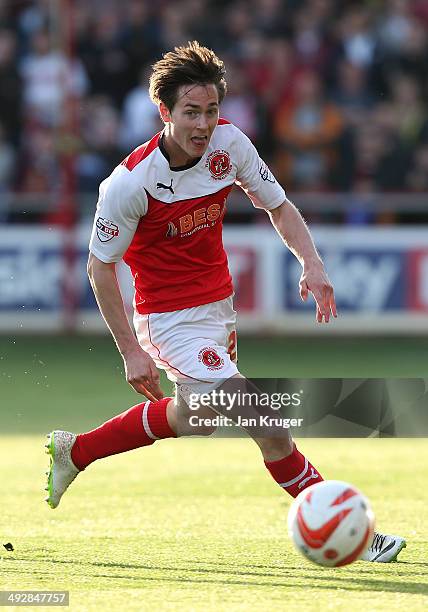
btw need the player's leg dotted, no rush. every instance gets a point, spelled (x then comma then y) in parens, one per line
(138, 426)
(69, 453)
(285, 463)
(294, 472)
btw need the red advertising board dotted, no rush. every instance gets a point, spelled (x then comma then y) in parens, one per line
(417, 297)
(242, 264)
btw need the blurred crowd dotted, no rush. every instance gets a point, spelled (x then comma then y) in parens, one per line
(333, 93)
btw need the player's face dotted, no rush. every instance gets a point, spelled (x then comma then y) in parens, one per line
(192, 121)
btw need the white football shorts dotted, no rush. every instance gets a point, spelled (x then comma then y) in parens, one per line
(195, 346)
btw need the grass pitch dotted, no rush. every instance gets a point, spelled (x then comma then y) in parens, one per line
(75, 383)
(195, 524)
(199, 525)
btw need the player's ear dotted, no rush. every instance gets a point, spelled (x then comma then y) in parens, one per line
(164, 113)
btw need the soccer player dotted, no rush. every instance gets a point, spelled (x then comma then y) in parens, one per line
(161, 211)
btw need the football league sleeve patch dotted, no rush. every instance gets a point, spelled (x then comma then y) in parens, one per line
(119, 210)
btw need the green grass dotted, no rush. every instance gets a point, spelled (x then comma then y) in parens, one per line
(199, 525)
(195, 524)
(74, 382)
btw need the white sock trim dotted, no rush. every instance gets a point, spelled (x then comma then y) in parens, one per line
(299, 477)
(146, 422)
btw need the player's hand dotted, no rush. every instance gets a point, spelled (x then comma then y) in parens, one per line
(315, 280)
(142, 374)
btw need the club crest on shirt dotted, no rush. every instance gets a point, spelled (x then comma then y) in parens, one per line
(210, 358)
(106, 230)
(219, 164)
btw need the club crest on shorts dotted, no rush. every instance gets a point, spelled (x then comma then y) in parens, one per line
(106, 230)
(210, 358)
(219, 164)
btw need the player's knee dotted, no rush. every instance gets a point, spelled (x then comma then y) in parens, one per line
(204, 430)
(274, 449)
(199, 422)
(196, 429)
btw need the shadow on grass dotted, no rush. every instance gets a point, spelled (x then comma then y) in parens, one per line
(313, 579)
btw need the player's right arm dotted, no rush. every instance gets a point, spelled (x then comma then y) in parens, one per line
(119, 210)
(140, 369)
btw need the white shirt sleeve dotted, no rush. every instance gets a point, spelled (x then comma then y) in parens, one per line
(121, 204)
(255, 178)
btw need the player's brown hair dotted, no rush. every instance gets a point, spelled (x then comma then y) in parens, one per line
(191, 65)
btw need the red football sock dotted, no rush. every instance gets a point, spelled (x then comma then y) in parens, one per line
(139, 426)
(294, 472)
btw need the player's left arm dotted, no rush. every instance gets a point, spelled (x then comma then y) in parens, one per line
(293, 230)
(258, 182)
